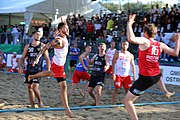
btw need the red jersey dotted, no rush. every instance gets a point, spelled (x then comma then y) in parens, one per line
(148, 60)
(90, 28)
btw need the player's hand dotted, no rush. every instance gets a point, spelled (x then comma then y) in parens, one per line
(131, 19)
(76, 53)
(86, 68)
(114, 77)
(175, 37)
(20, 71)
(106, 68)
(35, 62)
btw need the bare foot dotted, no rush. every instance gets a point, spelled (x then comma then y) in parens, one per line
(169, 94)
(71, 115)
(93, 104)
(40, 105)
(30, 77)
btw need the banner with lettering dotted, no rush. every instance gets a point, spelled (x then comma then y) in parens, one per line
(171, 75)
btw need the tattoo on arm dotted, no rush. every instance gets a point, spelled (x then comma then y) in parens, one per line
(46, 47)
(57, 42)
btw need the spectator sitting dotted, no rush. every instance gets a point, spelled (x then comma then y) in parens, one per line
(14, 63)
(168, 28)
(2, 61)
(172, 44)
(165, 39)
(158, 37)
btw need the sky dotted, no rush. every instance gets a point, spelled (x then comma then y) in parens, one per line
(143, 1)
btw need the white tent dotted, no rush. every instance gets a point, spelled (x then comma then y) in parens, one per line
(50, 8)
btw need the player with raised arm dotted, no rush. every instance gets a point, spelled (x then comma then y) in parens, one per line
(148, 55)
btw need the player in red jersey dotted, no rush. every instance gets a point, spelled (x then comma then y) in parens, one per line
(148, 54)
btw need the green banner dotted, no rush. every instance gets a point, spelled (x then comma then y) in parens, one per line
(9, 48)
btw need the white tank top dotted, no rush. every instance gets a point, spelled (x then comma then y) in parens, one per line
(110, 54)
(59, 57)
(122, 65)
(14, 63)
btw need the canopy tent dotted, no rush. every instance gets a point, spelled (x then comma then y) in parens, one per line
(50, 8)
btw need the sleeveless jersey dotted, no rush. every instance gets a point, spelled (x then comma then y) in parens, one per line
(148, 60)
(98, 68)
(110, 54)
(122, 65)
(79, 66)
(32, 54)
(59, 57)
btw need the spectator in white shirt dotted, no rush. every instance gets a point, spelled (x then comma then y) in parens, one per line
(97, 27)
(172, 44)
(166, 40)
(169, 26)
(109, 38)
(15, 35)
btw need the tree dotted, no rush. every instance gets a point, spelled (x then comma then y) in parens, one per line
(111, 6)
(133, 7)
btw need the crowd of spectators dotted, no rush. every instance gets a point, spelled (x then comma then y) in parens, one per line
(110, 27)
(10, 34)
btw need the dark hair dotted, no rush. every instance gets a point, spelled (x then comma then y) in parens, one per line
(35, 32)
(88, 46)
(60, 25)
(101, 44)
(124, 41)
(151, 30)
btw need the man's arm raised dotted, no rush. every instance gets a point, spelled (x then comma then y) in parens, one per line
(56, 43)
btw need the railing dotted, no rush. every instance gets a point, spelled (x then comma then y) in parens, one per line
(11, 38)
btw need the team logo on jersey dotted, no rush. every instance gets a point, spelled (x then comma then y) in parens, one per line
(38, 49)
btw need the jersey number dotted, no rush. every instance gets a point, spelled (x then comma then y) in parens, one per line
(155, 50)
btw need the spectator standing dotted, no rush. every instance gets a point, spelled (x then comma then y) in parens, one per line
(90, 30)
(110, 25)
(97, 27)
(15, 35)
(74, 53)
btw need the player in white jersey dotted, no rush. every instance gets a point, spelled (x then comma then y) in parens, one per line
(110, 53)
(123, 62)
(60, 45)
